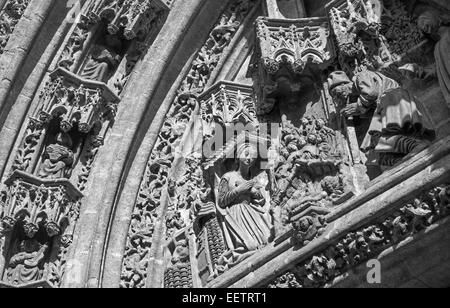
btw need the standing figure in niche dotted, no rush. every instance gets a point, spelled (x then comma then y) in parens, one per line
(26, 263)
(58, 158)
(397, 127)
(103, 61)
(430, 22)
(244, 206)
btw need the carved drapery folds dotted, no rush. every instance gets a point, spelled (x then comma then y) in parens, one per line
(10, 14)
(299, 43)
(38, 219)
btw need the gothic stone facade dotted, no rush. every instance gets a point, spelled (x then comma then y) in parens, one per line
(238, 143)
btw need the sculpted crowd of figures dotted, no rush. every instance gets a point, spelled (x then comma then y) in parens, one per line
(341, 88)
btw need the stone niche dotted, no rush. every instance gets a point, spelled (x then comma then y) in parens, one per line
(288, 61)
(110, 37)
(37, 219)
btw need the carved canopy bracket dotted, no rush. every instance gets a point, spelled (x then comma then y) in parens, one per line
(77, 100)
(297, 42)
(227, 103)
(50, 203)
(134, 16)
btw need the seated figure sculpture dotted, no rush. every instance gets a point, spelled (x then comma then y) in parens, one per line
(58, 158)
(103, 60)
(25, 265)
(245, 209)
(397, 127)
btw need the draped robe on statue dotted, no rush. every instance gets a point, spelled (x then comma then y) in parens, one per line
(246, 218)
(442, 56)
(396, 114)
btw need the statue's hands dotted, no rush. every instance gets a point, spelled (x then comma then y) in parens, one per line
(246, 187)
(351, 110)
(429, 72)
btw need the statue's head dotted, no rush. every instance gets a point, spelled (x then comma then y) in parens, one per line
(340, 85)
(113, 41)
(64, 140)
(428, 21)
(247, 155)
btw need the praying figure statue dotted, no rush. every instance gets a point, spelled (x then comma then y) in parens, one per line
(430, 22)
(58, 158)
(244, 207)
(397, 128)
(103, 61)
(26, 263)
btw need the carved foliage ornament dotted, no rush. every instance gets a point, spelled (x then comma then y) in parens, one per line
(158, 167)
(367, 242)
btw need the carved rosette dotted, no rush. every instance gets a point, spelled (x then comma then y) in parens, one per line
(298, 43)
(134, 16)
(77, 101)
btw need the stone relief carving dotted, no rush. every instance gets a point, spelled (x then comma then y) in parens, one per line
(38, 218)
(244, 203)
(179, 274)
(285, 49)
(10, 15)
(438, 26)
(397, 128)
(157, 171)
(368, 241)
(133, 16)
(103, 60)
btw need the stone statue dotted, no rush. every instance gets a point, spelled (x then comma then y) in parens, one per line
(25, 265)
(397, 126)
(103, 61)
(58, 158)
(431, 23)
(244, 205)
(181, 253)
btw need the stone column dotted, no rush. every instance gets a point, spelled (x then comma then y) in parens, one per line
(19, 46)
(20, 98)
(137, 110)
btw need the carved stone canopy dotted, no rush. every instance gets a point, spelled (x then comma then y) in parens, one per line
(76, 100)
(228, 103)
(52, 204)
(297, 42)
(350, 17)
(134, 16)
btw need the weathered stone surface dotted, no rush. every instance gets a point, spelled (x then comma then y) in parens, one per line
(239, 143)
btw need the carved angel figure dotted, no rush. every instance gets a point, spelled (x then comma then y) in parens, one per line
(244, 205)
(58, 158)
(25, 265)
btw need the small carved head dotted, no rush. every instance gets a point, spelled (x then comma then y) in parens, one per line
(247, 155)
(428, 22)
